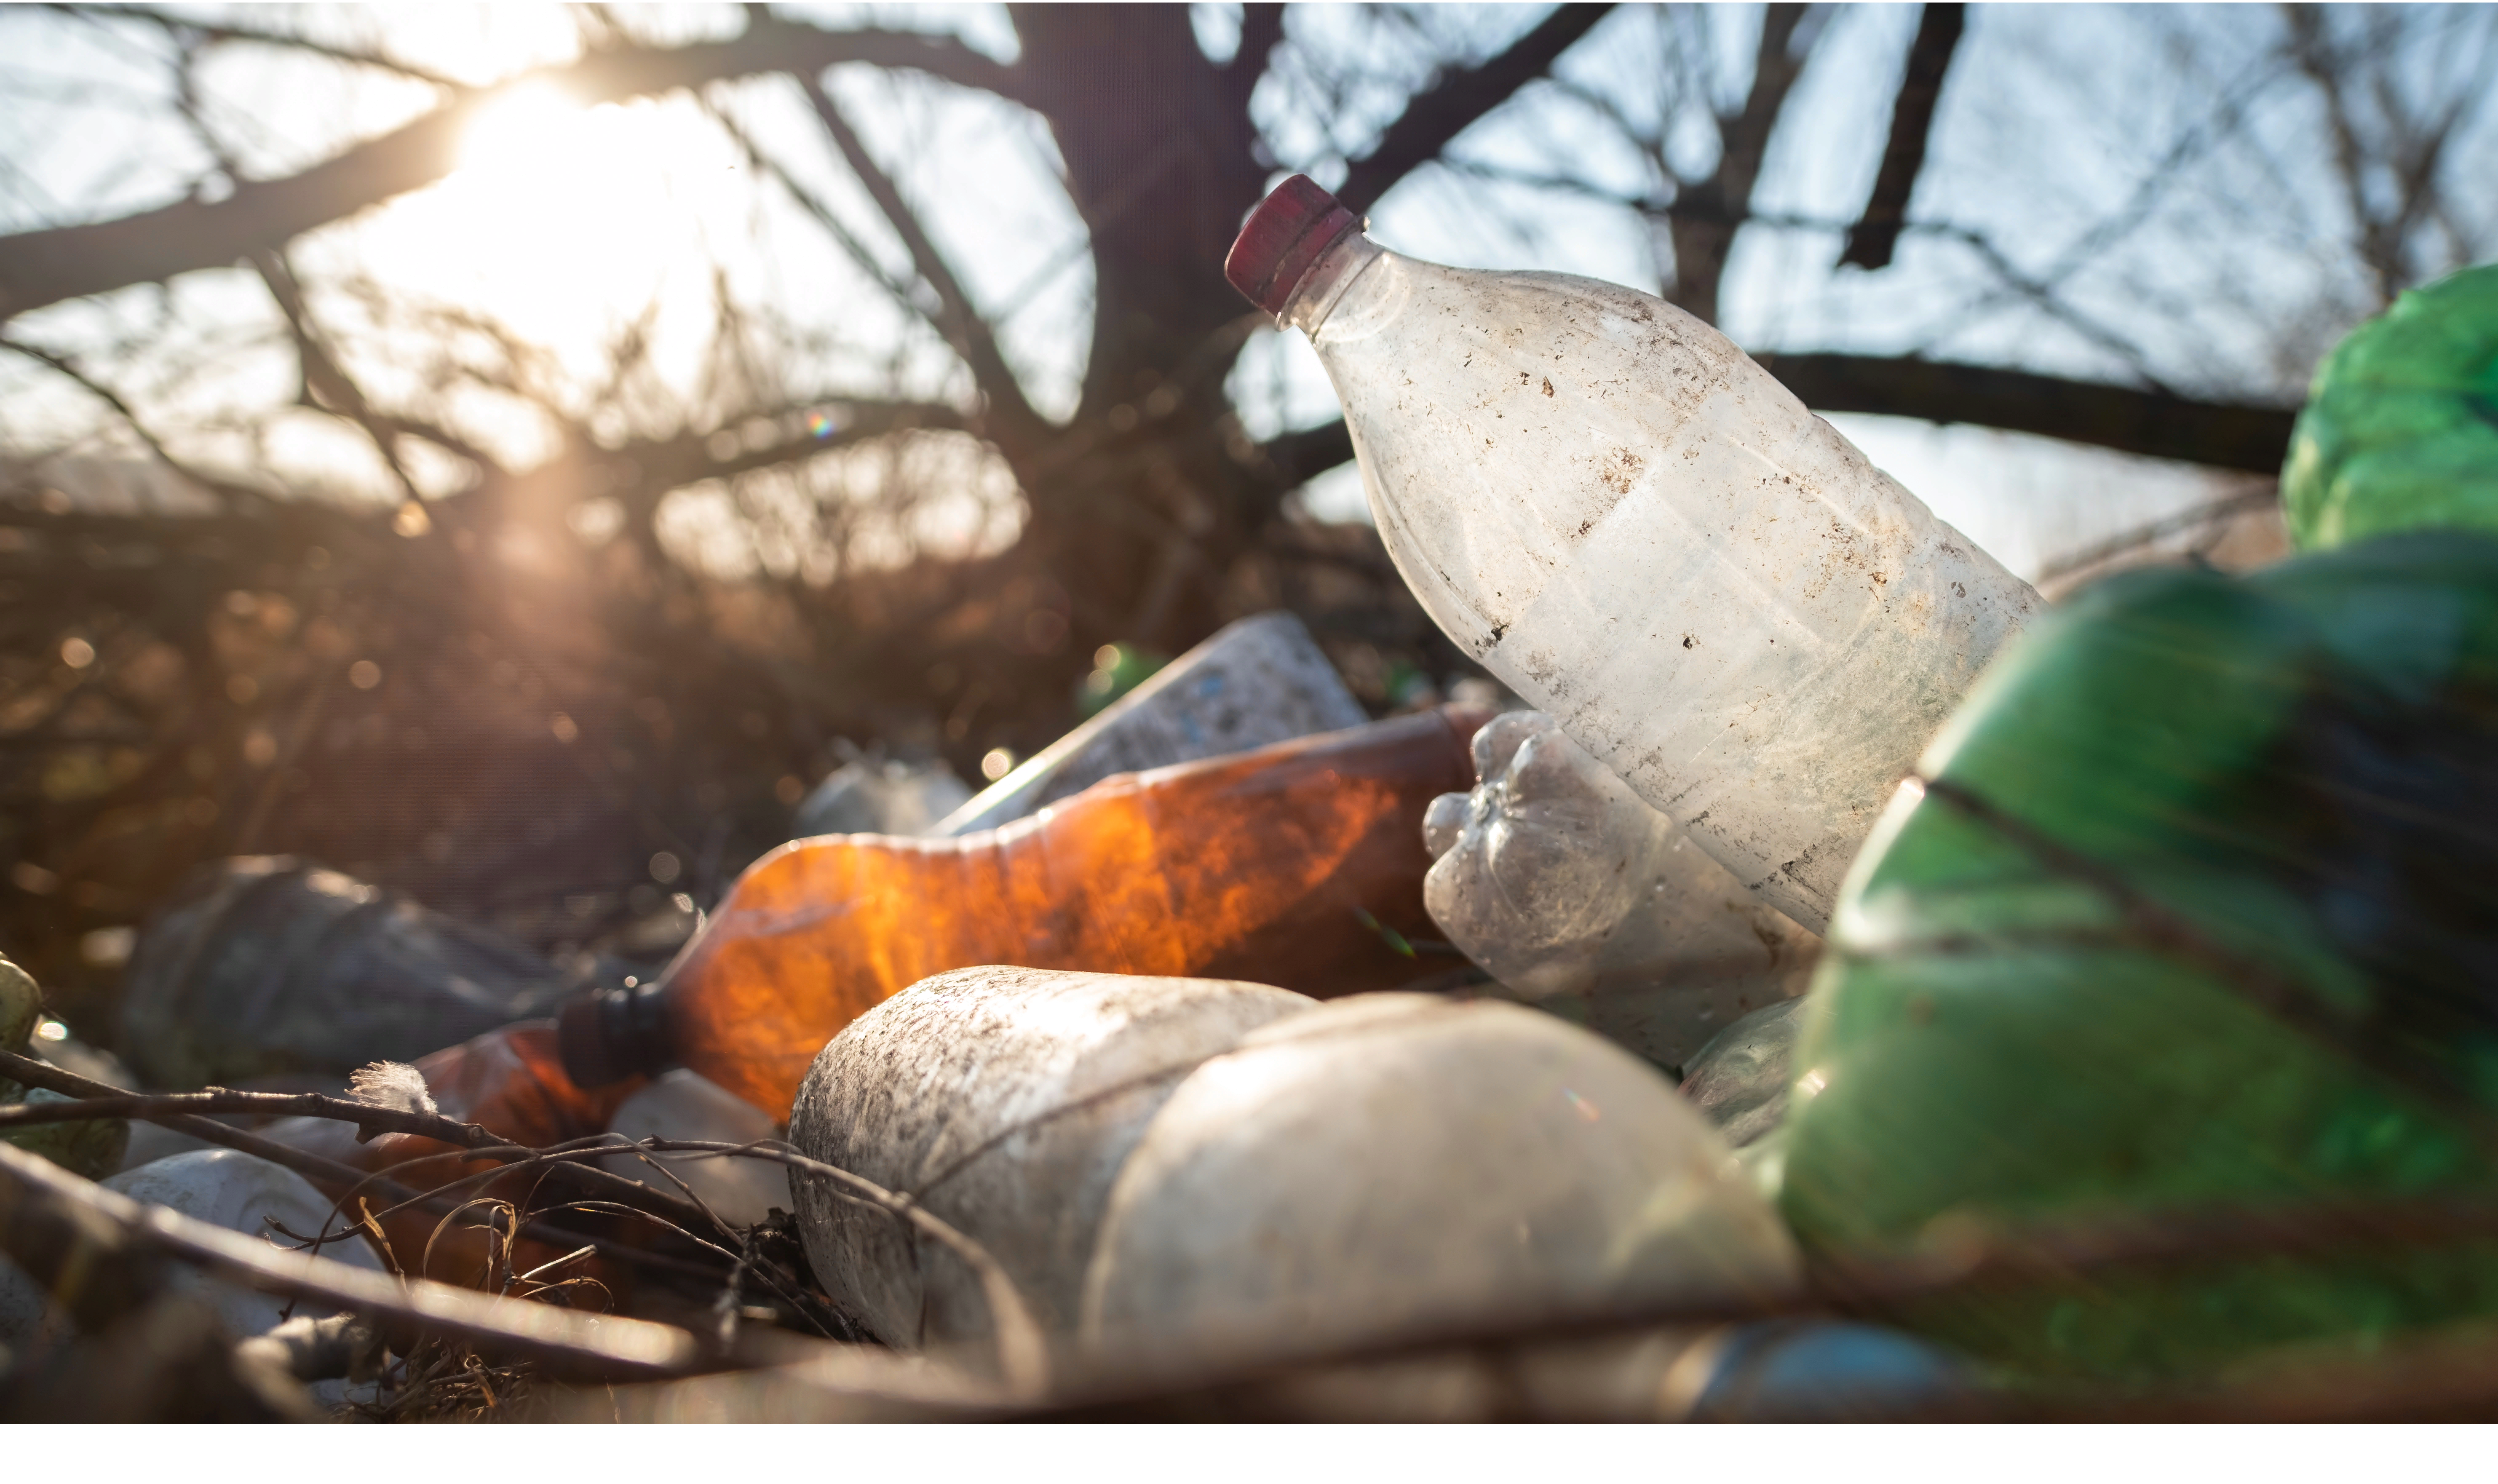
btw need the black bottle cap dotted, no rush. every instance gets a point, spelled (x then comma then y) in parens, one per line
(607, 1035)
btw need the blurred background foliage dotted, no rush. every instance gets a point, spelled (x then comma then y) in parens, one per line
(510, 454)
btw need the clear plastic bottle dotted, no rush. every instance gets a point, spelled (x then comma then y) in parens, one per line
(1392, 1164)
(1576, 894)
(1640, 530)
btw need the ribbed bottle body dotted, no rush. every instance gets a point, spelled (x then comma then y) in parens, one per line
(1639, 529)
(1281, 865)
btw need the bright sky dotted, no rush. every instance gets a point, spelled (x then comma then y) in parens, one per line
(566, 225)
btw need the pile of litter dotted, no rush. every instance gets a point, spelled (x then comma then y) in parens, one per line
(1828, 985)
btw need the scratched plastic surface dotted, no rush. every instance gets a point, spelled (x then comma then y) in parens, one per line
(1637, 529)
(1280, 865)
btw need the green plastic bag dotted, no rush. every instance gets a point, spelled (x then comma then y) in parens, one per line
(2400, 432)
(2045, 993)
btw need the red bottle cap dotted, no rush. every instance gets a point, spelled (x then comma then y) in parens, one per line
(1283, 240)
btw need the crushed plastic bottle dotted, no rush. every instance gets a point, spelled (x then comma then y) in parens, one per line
(225, 1188)
(2196, 908)
(93, 1148)
(1254, 682)
(1611, 508)
(2400, 431)
(1573, 892)
(1301, 862)
(266, 965)
(1003, 1101)
(1394, 1163)
(1738, 1081)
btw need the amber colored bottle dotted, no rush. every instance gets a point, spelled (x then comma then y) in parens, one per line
(1298, 865)
(512, 1081)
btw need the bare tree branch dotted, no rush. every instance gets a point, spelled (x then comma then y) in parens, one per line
(2157, 425)
(1711, 211)
(820, 213)
(212, 31)
(56, 1225)
(331, 1173)
(1443, 110)
(223, 490)
(956, 319)
(1261, 31)
(1913, 114)
(326, 385)
(46, 266)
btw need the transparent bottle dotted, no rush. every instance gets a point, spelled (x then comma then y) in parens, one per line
(1640, 530)
(1575, 894)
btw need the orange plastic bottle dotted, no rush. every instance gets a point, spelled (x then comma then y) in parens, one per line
(1281, 865)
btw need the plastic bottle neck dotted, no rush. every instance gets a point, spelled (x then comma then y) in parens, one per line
(607, 1035)
(1323, 286)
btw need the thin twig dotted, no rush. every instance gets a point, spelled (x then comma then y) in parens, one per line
(52, 1221)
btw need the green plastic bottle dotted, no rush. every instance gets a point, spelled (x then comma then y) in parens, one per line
(2401, 426)
(2040, 1000)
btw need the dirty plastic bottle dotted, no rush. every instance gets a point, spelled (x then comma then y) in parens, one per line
(1739, 1081)
(1252, 681)
(513, 1081)
(1576, 894)
(1393, 1163)
(1637, 529)
(223, 1187)
(1003, 1101)
(264, 965)
(1299, 865)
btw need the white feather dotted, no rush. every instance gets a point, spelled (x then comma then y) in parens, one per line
(392, 1085)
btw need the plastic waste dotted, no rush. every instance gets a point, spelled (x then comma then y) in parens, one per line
(1301, 862)
(881, 796)
(265, 964)
(1616, 511)
(1004, 1100)
(226, 1188)
(1573, 892)
(91, 1148)
(511, 1081)
(2197, 907)
(1811, 1370)
(2400, 431)
(1738, 1081)
(1391, 1163)
(1779, 1370)
(681, 1105)
(1254, 682)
